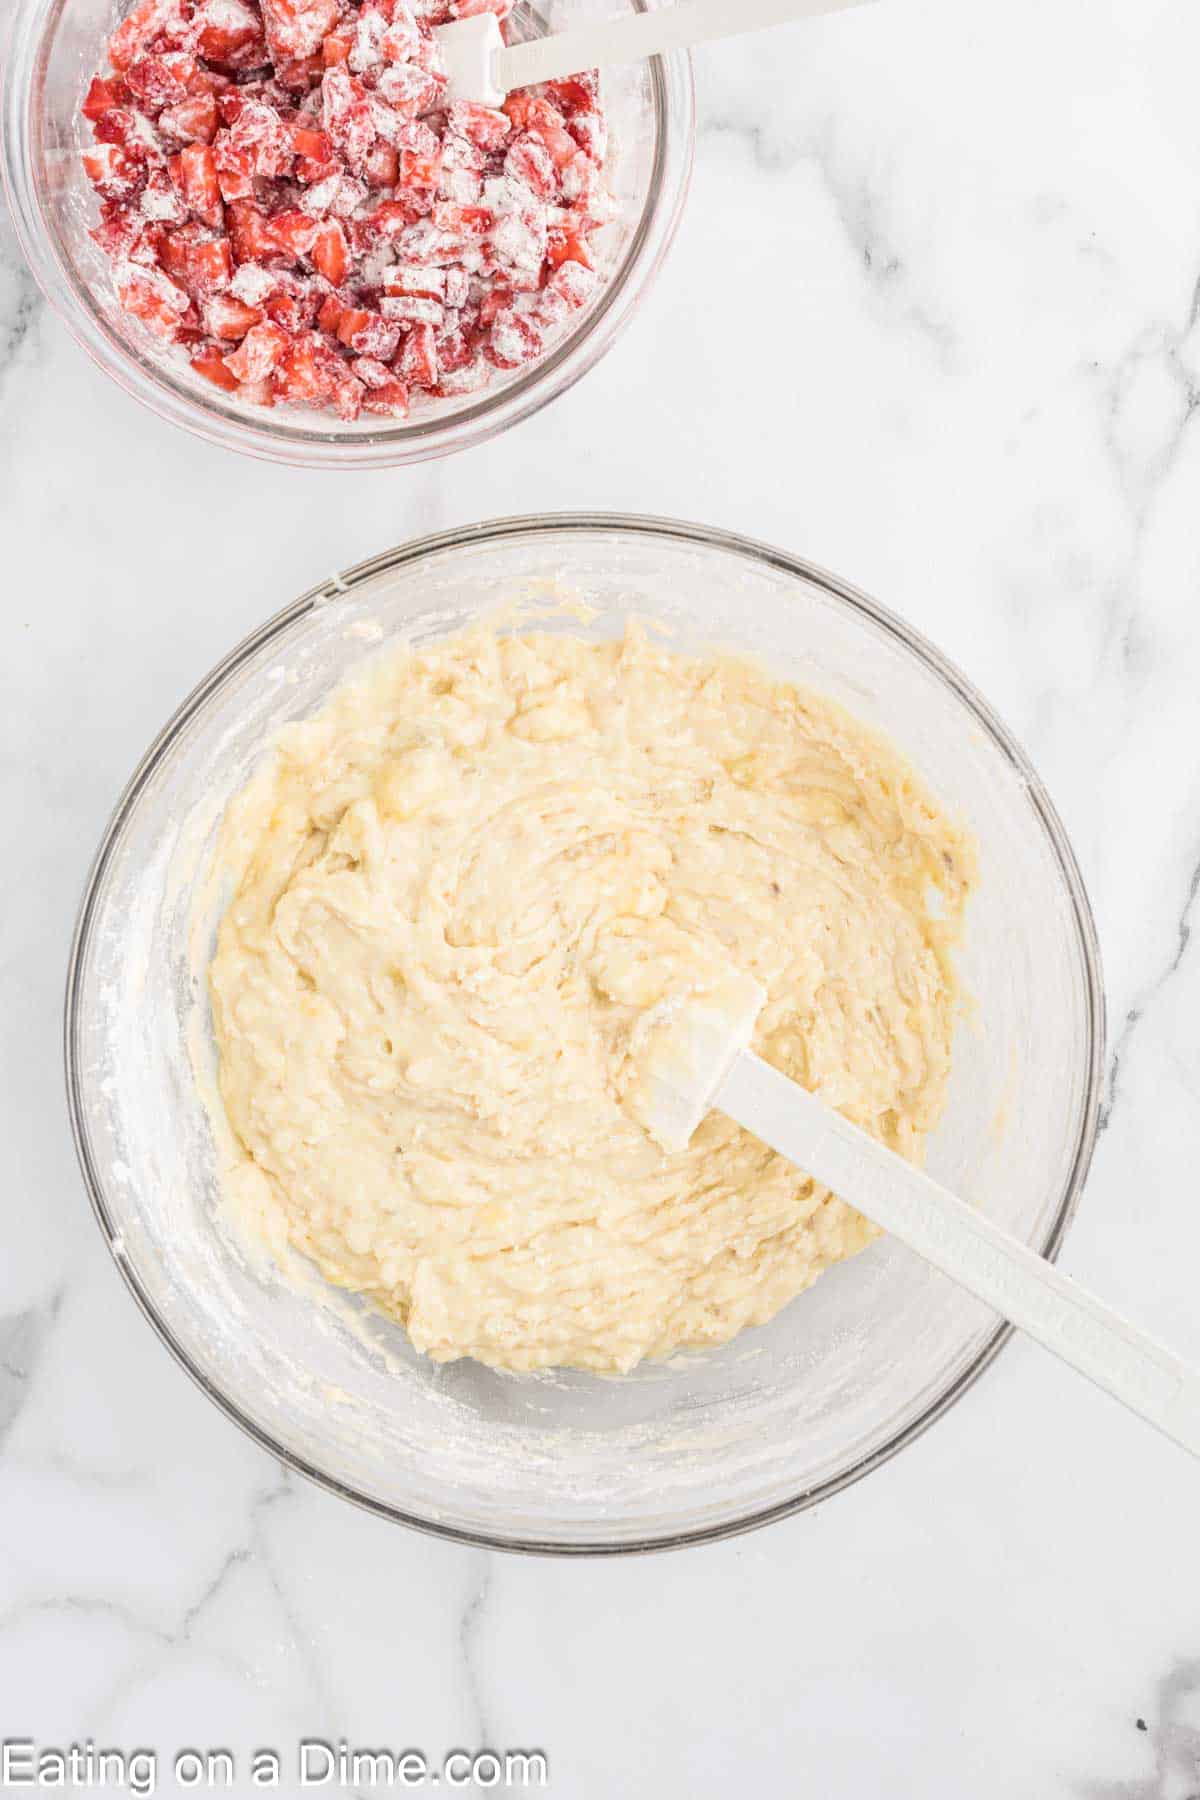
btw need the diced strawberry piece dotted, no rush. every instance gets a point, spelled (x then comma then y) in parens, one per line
(390, 217)
(257, 393)
(230, 34)
(308, 141)
(210, 363)
(481, 125)
(348, 396)
(202, 265)
(371, 372)
(258, 353)
(330, 252)
(566, 243)
(113, 173)
(391, 400)
(161, 201)
(301, 76)
(308, 371)
(229, 318)
(417, 363)
(411, 310)
(235, 169)
(249, 232)
(124, 236)
(533, 114)
(336, 48)
(103, 95)
(259, 130)
(401, 40)
(529, 161)
(331, 312)
(149, 19)
(294, 233)
(193, 121)
(515, 340)
(152, 297)
(165, 78)
(409, 89)
(454, 350)
(590, 133)
(417, 278)
(294, 304)
(498, 296)
(382, 167)
(575, 91)
(346, 109)
(352, 319)
(297, 28)
(463, 221)
(575, 282)
(583, 187)
(131, 129)
(369, 335)
(195, 173)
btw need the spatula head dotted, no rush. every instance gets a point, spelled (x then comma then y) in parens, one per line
(687, 1045)
(469, 48)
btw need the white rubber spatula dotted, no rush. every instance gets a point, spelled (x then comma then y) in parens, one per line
(482, 67)
(698, 1057)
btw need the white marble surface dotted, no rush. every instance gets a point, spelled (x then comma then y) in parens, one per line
(931, 320)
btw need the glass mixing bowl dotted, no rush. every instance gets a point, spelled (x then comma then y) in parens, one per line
(54, 48)
(672, 1454)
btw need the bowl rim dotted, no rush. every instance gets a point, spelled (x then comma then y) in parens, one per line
(696, 536)
(255, 432)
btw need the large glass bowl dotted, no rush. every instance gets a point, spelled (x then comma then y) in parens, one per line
(672, 1454)
(54, 48)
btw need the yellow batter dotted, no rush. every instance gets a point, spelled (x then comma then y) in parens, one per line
(456, 892)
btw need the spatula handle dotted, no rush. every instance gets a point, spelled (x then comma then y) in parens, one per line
(638, 35)
(1020, 1285)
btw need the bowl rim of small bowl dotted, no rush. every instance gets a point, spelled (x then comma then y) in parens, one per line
(211, 417)
(693, 535)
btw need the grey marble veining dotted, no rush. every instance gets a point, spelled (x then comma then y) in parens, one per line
(932, 320)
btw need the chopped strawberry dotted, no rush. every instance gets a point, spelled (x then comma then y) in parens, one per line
(391, 400)
(149, 19)
(544, 121)
(258, 353)
(194, 172)
(309, 371)
(575, 282)
(165, 78)
(369, 335)
(230, 34)
(113, 173)
(103, 95)
(330, 252)
(152, 297)
(210, 363)
(470, 9)
(132, 130)
(201, 265)
(346, 111)
(463, 221)
(417, 363)
(229, 318)
(408, 89)
(529, 161)
(249, 232)
(371, 372)
(481, 125)
(575, 91)
(382, 166)
(417, 278)
(235, 169)
(336, 48)
(590, 132)
(301, 76)
(515, 340)
(297, 28)
(262, 134)
(160, 200)
(294, 233)
(193, 121)
(567, 243)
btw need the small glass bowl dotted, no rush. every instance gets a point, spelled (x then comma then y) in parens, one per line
(708, 1444)
(54, 48)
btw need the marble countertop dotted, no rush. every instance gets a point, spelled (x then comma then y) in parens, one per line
(931, 320)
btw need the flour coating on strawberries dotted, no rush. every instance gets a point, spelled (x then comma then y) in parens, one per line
(286, 193)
